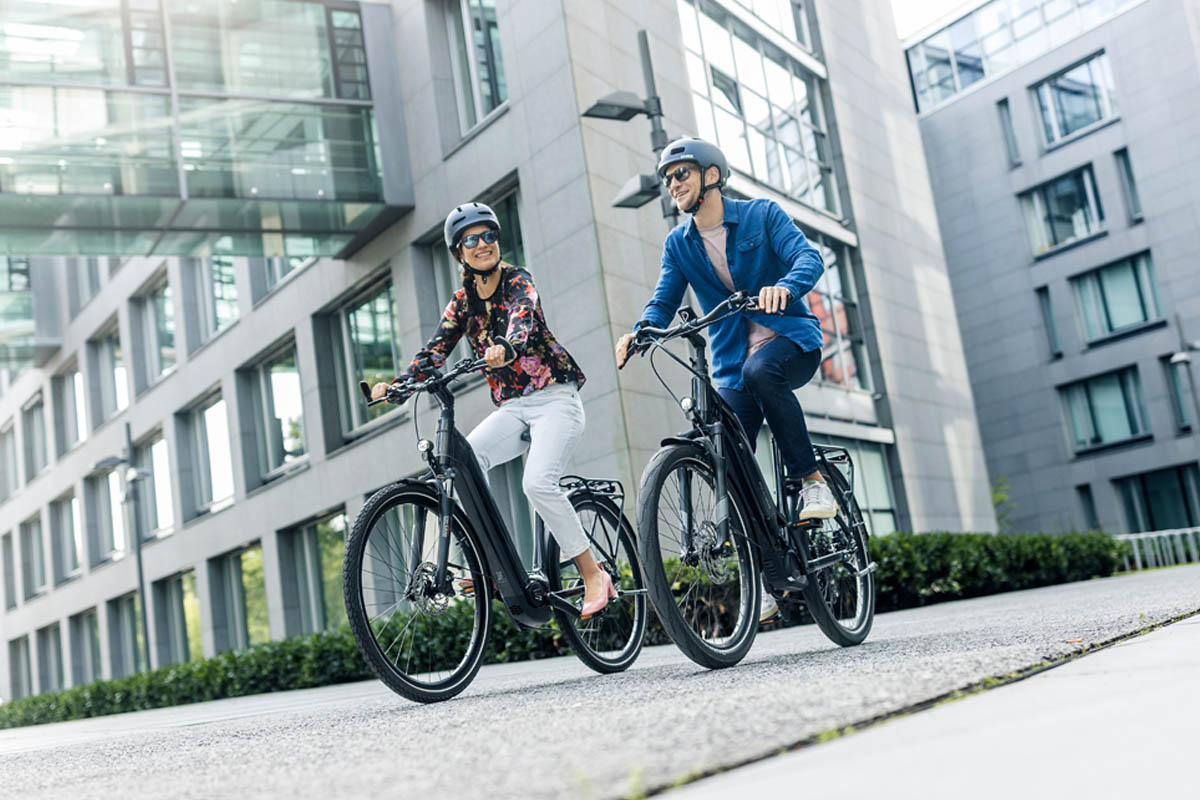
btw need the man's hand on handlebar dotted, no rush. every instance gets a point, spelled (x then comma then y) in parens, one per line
(623, 349)
(773, 299)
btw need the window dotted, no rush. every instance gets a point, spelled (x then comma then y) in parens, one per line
(266, 273)
(1043, 296)
(1133, 201)
(83, 282)
(312, 566)
(216, 294)
(66, 537)
(33, 422)
(125, 640)
(1062, 211)
(365, 349)
(113, 383)
(833, 301)
(1182, 391)
(70, 414)
(1117, 297)
(477, 64)
(10, 571)
(1107, 409)
(275, 384)
(19, 671)
(763, 108)
(157, 317)
(179, 634)
(106, 517)
(50, 662)
(872, 478)
(992, 38)
(240, 604)
(1087, 502)
(1010, 136)
(155, 498)
(9, 479)
(211, 461)
(1165, 499)
(1075, 99)
(33, 558)
(85, 647)
(786, 16)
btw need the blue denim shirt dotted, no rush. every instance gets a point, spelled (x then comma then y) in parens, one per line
(763, 247)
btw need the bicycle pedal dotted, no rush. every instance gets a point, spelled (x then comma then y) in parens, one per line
(867, 570)
(467, 587)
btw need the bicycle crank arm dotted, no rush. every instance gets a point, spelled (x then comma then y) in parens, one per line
(825, 562)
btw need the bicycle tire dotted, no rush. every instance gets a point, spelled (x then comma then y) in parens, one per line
(664, 587)
(622, 624)
(823, 592)
(440, 621)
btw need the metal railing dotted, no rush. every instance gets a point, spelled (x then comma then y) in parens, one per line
(1162, 548)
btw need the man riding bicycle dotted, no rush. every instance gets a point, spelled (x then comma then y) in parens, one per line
(759, 358)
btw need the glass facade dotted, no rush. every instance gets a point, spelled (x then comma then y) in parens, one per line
(16, 310)
(1165, 499)
(1117, 297)
(179, 622)
(1076, 98)
(244, 600)
(261, 127)
(316, 552)
(834, 301)
(761, 106)
(155, 499)
(991, 39)
(786, 16)
(212, 458)
(1062, 211)
(1107, 409)
(50, 661)
(126, 643)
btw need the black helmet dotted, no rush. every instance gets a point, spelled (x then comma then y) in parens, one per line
(464, 217)
(703, 154)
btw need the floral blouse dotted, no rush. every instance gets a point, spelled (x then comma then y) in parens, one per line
(514, 312)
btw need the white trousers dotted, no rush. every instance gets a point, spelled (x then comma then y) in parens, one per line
(554, 418)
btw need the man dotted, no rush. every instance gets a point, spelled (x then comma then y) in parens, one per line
(760, 358)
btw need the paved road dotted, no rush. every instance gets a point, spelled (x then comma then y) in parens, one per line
(1123, 722)
(552, 729)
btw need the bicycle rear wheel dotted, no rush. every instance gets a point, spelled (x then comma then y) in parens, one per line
(423, 641)
(704, 586)
(611, 640)
(841, 595)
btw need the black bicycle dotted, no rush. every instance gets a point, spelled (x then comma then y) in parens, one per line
(708, 524)
(421, 568)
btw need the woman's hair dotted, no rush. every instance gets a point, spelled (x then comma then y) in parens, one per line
(475, 305)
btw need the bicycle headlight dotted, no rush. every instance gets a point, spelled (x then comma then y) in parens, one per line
(686, 404)
(424, 446)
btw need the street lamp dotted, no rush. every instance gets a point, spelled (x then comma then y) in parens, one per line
(130, 477)
(624, 106)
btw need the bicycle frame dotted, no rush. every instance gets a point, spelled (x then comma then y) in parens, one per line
(783, 558)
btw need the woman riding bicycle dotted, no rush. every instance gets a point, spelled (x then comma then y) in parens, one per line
(534, 381)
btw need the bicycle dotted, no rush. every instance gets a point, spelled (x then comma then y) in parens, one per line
(421, 568)
(708, 524)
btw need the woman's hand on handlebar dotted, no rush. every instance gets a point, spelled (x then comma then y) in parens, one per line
(379, 390)
(496, 356)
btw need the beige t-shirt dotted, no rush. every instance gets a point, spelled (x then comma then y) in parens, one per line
(714, 245)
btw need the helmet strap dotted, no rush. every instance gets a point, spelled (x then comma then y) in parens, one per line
(704, 187)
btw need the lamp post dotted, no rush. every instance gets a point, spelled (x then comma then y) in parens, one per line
(1183, 359)
(624, 106)
(129, 488)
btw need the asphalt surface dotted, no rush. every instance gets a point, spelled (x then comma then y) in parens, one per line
(552, 729)
(1120, 723)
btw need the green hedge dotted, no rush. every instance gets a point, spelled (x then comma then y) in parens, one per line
(913, 570)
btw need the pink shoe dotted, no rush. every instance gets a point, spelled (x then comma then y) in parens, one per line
(595, 607)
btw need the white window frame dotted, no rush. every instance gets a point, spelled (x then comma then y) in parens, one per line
(64, 512)
(151, 455)
(33, 557)
(1088, 291)
(205, 288)
(33, 424)
(1034, 205)
(205, 499)
(153, 356)
(354, 417)
(456, 27)
(1044, 101)
(113, 383)
(264, 395)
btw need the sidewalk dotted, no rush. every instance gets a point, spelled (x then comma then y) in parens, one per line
(1123, 722)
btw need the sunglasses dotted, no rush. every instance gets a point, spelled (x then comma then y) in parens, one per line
(472, 239)
(680, 174)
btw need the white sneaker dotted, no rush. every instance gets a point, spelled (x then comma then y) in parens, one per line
(767, 607)
(817, 501)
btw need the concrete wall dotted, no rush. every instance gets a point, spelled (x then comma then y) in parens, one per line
(1153, 50)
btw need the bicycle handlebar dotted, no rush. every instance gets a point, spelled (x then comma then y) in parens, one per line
(398, 393)
(736, 302)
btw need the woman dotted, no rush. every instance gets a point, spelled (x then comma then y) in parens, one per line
(536, 389)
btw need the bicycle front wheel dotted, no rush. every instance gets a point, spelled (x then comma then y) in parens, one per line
(841, 595)
(611, 640)
(424, 641)
(703, 585)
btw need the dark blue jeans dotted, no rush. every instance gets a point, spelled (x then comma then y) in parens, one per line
(769, 377)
